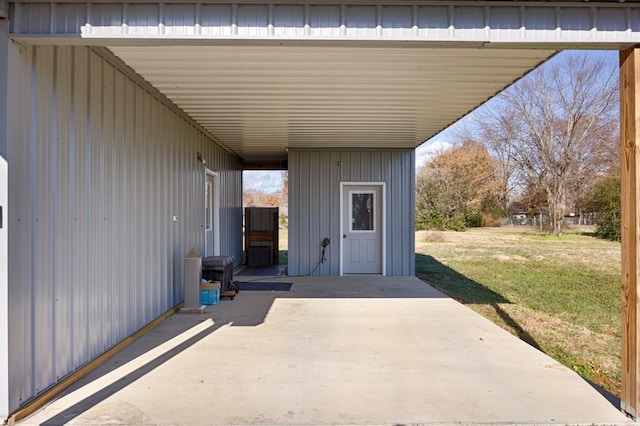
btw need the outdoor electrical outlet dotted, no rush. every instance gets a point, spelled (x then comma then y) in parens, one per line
(326, 242)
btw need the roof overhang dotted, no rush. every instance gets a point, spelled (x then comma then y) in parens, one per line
(264, 78)
(262, 100)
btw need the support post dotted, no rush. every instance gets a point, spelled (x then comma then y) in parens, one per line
(630, 210)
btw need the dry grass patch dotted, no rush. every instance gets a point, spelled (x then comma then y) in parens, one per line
(432, 236)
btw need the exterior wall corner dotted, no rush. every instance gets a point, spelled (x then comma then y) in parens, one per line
(4, 232)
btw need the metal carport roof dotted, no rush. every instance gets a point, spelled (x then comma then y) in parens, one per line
(259, 101)
(262, 77)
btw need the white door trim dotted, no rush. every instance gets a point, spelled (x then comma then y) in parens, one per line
(215, 210)
(383, 191)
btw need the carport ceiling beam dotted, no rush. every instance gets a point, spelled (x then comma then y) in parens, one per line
(265, 165)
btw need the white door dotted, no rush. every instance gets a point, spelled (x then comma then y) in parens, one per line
(362, 233)
(211, 215)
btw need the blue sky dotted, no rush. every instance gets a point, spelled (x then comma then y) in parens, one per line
(444, 139)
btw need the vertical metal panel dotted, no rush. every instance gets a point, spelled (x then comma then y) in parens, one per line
(143, 18)
(252, 20)
(538, 19)
(397, 20)
(101, 17)
(360, 20)
(553, 22)
(215, 20)
(79, 206)
(506, 22)
(4, 233)
(72, 18)
(293, 197)
(470, 21)
(324, 21)
(607, 19)
(314, 203)
(288, 20)
(180, 19)
(434, 22)
(313, 217)
(20, 292)
(101, 163)
(62, 192)
(42, 254)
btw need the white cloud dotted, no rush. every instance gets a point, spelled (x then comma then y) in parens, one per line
(429, 149)
(263, 181)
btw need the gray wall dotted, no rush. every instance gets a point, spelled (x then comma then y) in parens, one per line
(4, 233)
(314, 205)
(99, 163)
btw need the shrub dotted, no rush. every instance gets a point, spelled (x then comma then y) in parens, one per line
(488, 220)
(474, 219)
(605, 201)
(456, 223)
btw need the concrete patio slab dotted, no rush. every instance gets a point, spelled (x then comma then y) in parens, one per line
(349, 350)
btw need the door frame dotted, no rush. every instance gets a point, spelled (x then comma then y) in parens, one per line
(215, 211)
(383, 196)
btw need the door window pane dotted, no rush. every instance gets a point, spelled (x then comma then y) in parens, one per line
(362, 211)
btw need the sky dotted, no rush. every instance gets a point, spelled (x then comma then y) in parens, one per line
(262, 181)
(270, 182)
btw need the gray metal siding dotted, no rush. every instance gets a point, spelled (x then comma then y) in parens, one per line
(100, 162)
(314, 205)
(560, 22)
(4, 234)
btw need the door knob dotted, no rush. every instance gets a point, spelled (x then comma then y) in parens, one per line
(344, 236)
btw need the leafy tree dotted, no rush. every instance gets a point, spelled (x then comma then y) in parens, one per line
(440, 197)
(454, 186)
(605, 201)
(557, 126)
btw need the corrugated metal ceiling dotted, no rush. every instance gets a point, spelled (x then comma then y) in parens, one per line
(261, 100)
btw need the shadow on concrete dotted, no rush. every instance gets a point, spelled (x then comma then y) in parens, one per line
(467, 291)
(248, 309)
(251, 308)
(180, 332)
(613, 400)
(263, 271)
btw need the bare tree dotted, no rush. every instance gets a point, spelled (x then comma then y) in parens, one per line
(557, 125)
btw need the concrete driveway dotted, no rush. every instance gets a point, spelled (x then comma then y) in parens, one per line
(350, 350)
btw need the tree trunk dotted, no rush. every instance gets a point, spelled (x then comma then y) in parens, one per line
(540, 221)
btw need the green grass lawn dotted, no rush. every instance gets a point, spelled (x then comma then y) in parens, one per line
(283, 245)
(560, 294)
